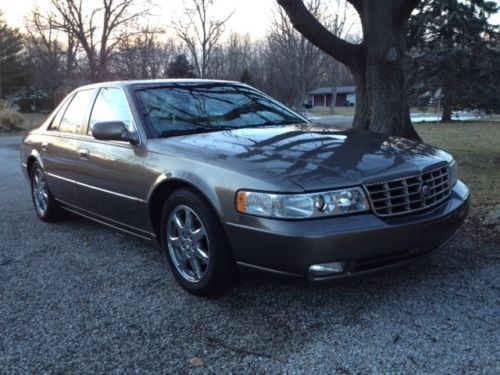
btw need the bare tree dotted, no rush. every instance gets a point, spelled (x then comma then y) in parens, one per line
(230, 58)
(242, 59)
(201, 32)
(377, 63)
(51, 60)
(144, 56)
(340, 24)
(296, 60)
(238, 56)
(99, 30)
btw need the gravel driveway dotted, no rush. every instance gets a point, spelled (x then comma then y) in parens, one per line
(79, 297)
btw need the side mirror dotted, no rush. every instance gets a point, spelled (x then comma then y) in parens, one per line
(113, 131)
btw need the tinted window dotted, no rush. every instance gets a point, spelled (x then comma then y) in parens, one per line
(111, 105)
(57, 119)
(74, 115)
(189, 108)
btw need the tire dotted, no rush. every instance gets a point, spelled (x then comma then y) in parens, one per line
(196, 249)
(45, 205)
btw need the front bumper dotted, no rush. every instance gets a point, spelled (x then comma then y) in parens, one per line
(363, 242)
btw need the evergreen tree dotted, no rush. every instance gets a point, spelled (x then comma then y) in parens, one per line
(12, 71)
(453, 46)
(246, 77)
(180, 68)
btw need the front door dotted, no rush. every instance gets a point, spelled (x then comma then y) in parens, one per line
(113, 184)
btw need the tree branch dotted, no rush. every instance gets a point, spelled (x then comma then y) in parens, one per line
(357, 4)
(319, 35)
(406, 8)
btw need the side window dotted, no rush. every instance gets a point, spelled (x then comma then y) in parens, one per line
(111, 105)
(57, 118)
(74, 116)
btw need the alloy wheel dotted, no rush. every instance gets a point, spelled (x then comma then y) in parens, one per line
(40, 192)
(188, 243)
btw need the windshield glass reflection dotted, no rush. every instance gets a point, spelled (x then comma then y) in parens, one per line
(187, 109)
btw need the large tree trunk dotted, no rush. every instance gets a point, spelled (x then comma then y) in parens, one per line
(447, 112)
(382, 102)
(376, 64)
(334, 100)
(299, 98)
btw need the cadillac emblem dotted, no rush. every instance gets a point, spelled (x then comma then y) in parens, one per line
(424, 190)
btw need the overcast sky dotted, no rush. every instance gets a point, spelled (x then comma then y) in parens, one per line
(250, 16)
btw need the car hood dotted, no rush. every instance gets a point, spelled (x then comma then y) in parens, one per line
(311, 156)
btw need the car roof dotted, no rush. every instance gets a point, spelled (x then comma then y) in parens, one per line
(154, 82)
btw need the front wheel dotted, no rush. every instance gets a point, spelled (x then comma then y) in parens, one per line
(195, 245)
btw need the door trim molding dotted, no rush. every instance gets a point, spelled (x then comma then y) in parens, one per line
(96, 188)
(106, 221)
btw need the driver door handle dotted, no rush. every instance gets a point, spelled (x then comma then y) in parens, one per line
(45, 146)
(83, 154)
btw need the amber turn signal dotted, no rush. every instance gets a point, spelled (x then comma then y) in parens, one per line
(241, 201)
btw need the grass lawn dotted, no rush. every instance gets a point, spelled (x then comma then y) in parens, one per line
(476, 147)
(349, 111)
(345, 111)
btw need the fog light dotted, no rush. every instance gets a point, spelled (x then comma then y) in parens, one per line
(326, 269)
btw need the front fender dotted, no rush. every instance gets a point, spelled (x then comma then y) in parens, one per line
(191, 179)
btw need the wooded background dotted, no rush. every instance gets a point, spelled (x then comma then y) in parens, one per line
(447, 44)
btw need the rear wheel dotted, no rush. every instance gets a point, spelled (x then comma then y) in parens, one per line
(46, 207)
(195, 245)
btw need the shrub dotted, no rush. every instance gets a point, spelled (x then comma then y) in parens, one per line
(4, 105)
(9, 119)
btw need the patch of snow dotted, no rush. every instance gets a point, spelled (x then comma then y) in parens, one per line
(435, 117)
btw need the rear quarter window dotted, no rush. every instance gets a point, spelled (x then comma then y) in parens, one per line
(72, 118)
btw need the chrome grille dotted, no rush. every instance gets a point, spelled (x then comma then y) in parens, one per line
(405, 195)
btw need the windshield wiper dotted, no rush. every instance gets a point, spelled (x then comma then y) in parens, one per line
(208, 129)
(271, 123)
(177, 132)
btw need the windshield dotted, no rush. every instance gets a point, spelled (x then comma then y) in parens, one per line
(191, 108)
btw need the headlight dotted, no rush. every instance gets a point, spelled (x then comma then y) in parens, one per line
(301, 206)
(453, 172)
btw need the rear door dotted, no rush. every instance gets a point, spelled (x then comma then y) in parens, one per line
(59, 149)
(113, 184)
